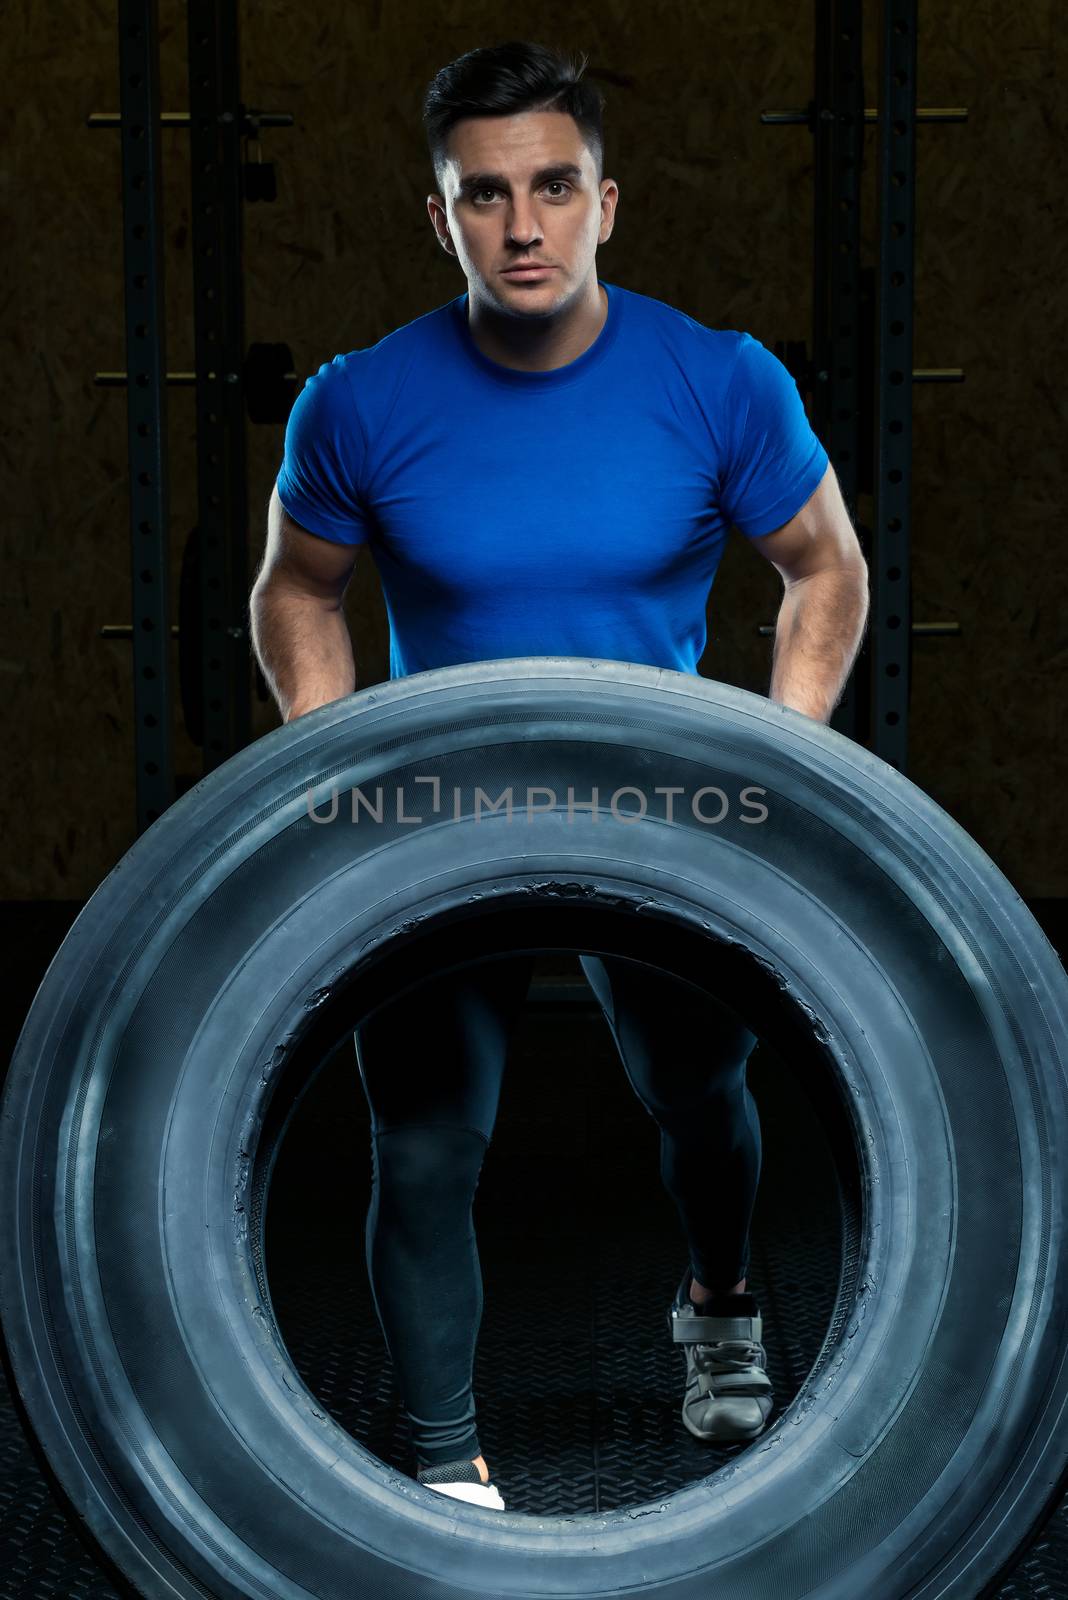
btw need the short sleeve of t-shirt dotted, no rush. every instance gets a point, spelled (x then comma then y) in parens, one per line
(775, 462)
(324, 452)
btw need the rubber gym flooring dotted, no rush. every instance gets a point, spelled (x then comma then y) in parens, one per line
(577, 1380)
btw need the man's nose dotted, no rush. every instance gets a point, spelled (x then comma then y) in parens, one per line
(522, 227)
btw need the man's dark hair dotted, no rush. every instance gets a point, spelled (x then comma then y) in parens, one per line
(502, 79)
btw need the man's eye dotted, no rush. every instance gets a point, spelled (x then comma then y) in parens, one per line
(554, 183)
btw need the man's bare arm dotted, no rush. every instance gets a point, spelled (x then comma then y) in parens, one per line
(299, 633)
(824, 608)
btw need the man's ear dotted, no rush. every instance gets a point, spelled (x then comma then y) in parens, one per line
(446, 242)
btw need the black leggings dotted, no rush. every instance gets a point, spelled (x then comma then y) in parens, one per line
(431, 1065)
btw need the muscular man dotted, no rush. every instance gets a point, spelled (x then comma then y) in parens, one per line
(548, 465)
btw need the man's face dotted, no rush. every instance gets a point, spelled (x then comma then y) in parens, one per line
(523, 188)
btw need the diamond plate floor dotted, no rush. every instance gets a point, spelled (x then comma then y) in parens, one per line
(576, 1237)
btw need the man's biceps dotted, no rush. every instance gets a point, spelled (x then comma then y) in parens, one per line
(818, 536)
(305, 560)
(325, 565)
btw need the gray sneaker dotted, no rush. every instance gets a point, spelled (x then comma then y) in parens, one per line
(728, 1392)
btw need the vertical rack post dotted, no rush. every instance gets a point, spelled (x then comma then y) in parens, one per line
(146, 406)
(836, 320)
(222, 515)
(891, 630)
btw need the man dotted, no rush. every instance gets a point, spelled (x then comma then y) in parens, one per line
(548, 465)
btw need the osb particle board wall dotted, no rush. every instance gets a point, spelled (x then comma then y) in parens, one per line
(714, 217)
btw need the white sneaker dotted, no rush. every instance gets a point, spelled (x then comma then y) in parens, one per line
(462, 1481)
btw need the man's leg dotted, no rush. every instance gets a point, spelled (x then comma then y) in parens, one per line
(685, 1056)
(431, 1065)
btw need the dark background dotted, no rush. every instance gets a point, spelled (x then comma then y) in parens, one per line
(714, 217)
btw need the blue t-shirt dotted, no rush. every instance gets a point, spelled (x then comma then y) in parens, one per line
(578, 512)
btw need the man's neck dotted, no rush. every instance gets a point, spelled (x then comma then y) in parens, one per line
(539, 345)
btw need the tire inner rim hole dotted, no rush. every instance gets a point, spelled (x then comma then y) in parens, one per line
(307, 1247)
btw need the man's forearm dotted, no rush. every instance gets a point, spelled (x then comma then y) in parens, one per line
(303, 648)
(818, 633)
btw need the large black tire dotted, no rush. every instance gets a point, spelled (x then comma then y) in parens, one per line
(930, 1437)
